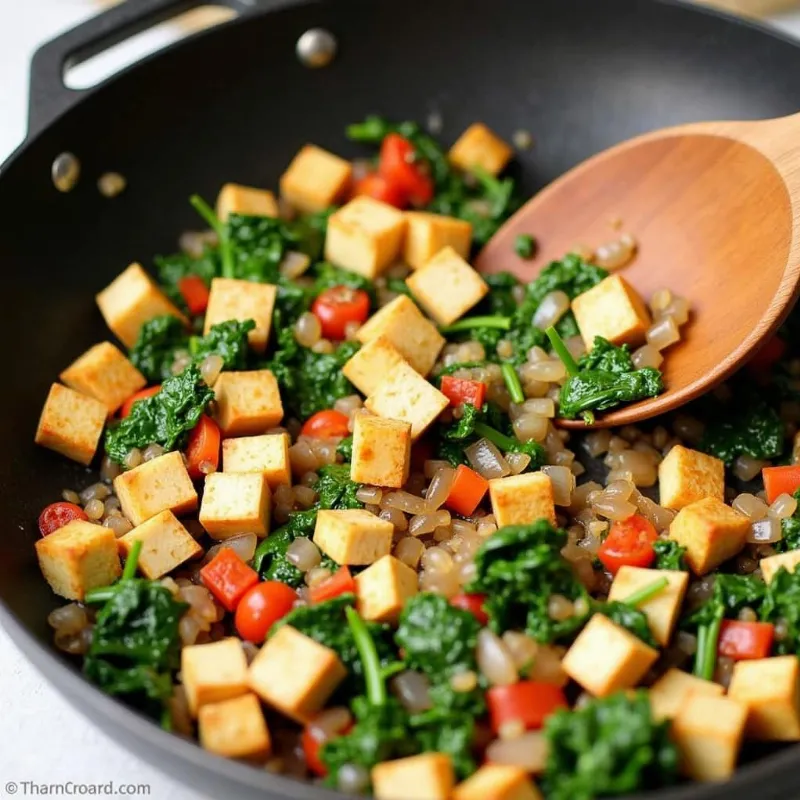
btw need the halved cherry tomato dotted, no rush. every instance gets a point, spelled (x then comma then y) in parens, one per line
(765, 358)
(202, 451)
(339, 583)
(629, 543)
(228, 578)
(381, 188)
(141, 395)
(262, 606)
(780, 480)
(466, 491)
(57, 515)
(461, 390)
(312, 744)
(745, 640)
(336, 307)
(398, 163)
(529, 702)
(472, 603)
(328, 424)
(195, 293)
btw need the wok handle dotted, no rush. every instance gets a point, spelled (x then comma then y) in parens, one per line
(49, 97)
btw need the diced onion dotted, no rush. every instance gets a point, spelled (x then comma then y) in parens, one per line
(563, 484)
(244, 545)
(440, 487)
(409, 550)
(413, 690)
(303, 554)
(751, 506)
(528, 751)
(783, 506)
(765, 531)
(553, 306)
(663, 333)
(487, 460)
(403, 501)
(495, 660)
(647, 356)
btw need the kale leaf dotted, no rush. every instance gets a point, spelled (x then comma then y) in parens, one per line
(173, 268)
(335, 489)
(225, 339)
(730, 594)
(790, 529)
(669, 555)
(628, 617)
(782, 602)
(156, 346)
(607, 357)
(595, 390)
(345, 449)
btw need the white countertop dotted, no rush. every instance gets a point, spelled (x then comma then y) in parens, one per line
(51, 742)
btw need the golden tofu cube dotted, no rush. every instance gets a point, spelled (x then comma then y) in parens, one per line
(710, 531)
(242, 300)
(464, 287)
(371, 363)
(771, 564)
(381, 451)
(268, 454)
(78, 557)
(166, 544)
(315, 179)
(233, 198)
(294, 674)
(662, 611)
(497, 782)
(235, 502)
(478, 146)
(606, 658)
(248, 402)
(71, 423)
(428, 776)
(234, 728)
(520, 499)
(405, 395)
(708, 732)
(155, 486)
(404, 326)
(383, 589)
(353, 536)
(213, 672)
(770, 689)
(104, 373)
(365, 236)
(132, 299)
(671, 691)
(614, 310)
(686, 476)
(427, 234)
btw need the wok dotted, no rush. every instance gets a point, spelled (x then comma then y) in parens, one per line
(234, 104)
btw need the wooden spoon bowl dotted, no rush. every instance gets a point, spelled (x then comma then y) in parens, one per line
(715, 211)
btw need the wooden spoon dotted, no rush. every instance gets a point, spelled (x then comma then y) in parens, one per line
(715, 210)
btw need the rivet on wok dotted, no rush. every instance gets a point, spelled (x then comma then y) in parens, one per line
(65, 171)
(316, 48)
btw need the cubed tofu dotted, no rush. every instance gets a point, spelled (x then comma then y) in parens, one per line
(71, 423)
(365, 236)
(614, 310)
(478, 146)
(104, 373)
(427, 234)
(233, 198)
(268, 454)
(606, 658)
(248, 402)
(497, 782)
(371, 363)
(78, 557)
(403, 324)
(771, 564)
(242, 300)
(662, 611)
(381, 451)
(405, 395)
(235, 502)
(708, 732)
(673, 689)
(383, 589)
(315, 179)
(710, 531)
(428, 776)
(166, 544)
(294, 674)
(234, 728)
(158, 485)
(464, 287)
(353, 536)
(132, 299)
(213, 672)
(686, 476)
(520, 499)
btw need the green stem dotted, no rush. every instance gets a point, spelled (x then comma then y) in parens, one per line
(646, 592)
(706, 656)
(214, 222)
(370, 662)
(132, 561)
(466, 324)
(562, 351)
(512, 383)
(494, 436)
(102, 594)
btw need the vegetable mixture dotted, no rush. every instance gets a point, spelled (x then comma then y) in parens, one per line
(338, 532)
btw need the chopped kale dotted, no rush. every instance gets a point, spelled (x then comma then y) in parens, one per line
(782, 602)
(790, 530)
(628, 617)
(173, 268)
(227, 340)
(156, 346)
(525, 245)
(607, 357)
(600, 391)
(345, 449)
(669, 555)
(335, 489)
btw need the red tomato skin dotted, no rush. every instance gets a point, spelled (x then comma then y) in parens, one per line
(195, 293)
(57, 515)
(328, 424)
(379, 187)
(336, 307)
(228, 578)
(312, 746)
(398, 165)
(629, 543)
(743, 641)
(203, 445)
(530, 702)
(472, 603)
(261, 607)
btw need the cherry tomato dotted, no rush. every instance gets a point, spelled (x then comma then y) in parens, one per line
(327, 424)
(141, 395)
(262, 606)
(399, 164)
(57, 515)
(472, 603)
(195, 293)
(203, 448)
(629, 543)
(336, 307)
(381, 188)
(312, 744)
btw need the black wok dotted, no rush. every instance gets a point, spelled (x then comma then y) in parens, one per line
(235, 104)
